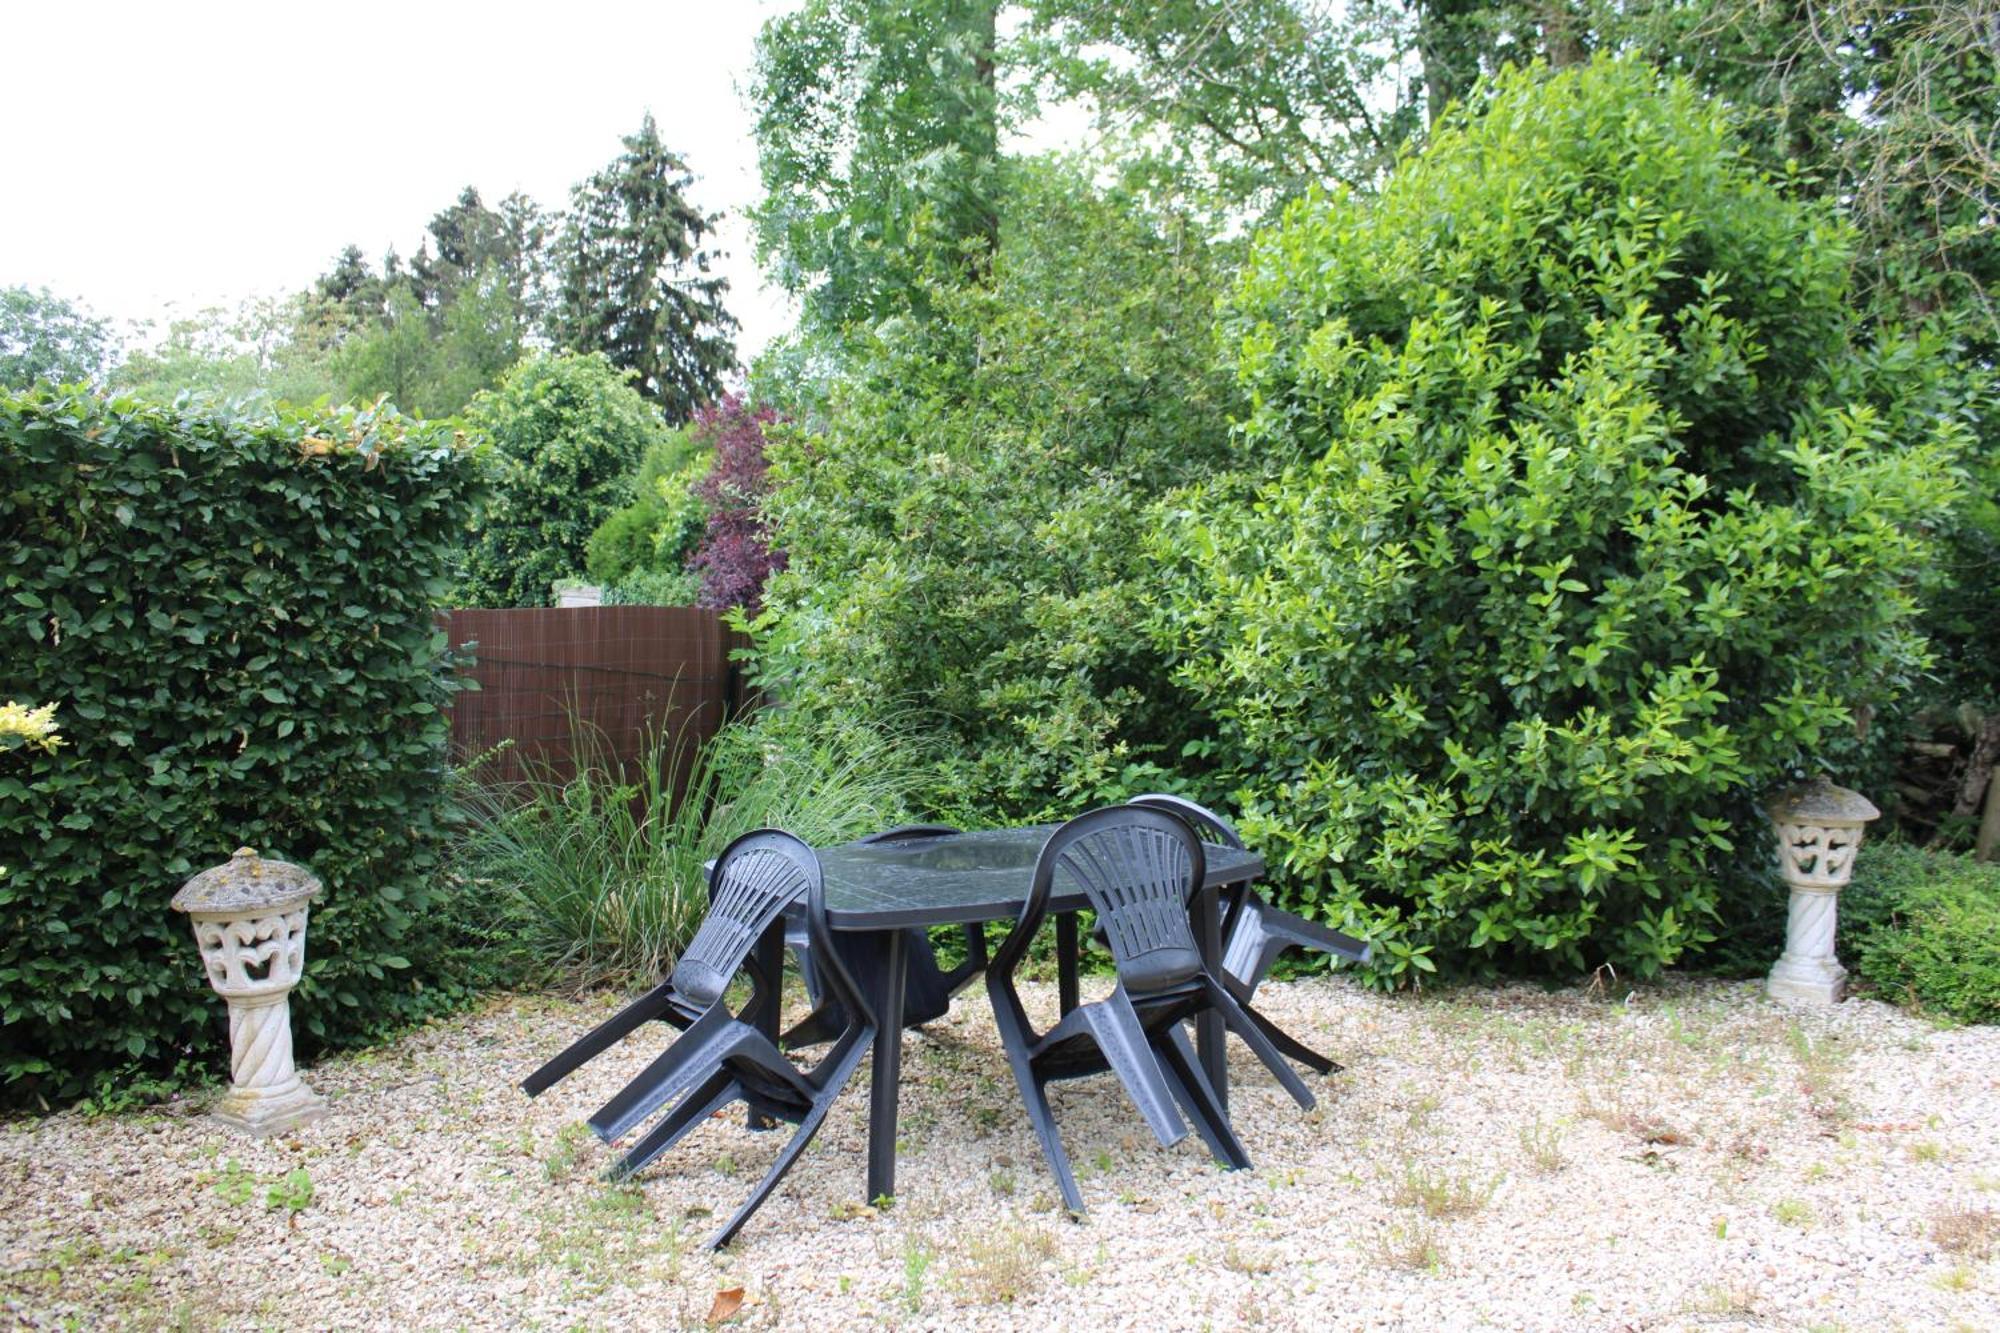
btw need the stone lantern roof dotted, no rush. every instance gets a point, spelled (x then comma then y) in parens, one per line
(1820, 803)
(247, 884)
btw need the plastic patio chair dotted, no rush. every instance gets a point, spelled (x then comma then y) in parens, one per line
(719, 1058)
(927, 988)
(1137, 867)
(1254, 933)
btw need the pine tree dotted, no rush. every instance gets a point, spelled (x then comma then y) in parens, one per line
(635, 282)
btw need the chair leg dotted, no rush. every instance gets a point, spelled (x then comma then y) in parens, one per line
(1238, 1021)
(717, 1092)
(821, 1025)
(1292, 1046)
(655, 1003)
(1197, 1098)
(1122, 1038)
(1036, 1096)
(1300, 933)
(704, 1046)
(797, 1144)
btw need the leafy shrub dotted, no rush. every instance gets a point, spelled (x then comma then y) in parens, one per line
(1924, 928)
(599, 877)
(966, 529)
(567, 431)
(640, 553)
(735, 557)
(1577, 513)
(235, 616)
(655, 587)
(622, 543)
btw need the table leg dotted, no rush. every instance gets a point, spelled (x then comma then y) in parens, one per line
(1209, 1032)
(886, 986)
(770, 962)
(1066, 961)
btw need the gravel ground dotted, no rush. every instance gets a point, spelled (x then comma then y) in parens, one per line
(1692, 1156)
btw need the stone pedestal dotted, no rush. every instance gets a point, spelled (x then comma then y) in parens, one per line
(250, 921)
(1809, 969)
(1819, 828)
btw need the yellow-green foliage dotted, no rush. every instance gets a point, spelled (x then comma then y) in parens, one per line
(22, 726)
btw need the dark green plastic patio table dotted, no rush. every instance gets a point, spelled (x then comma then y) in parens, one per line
(875, 892)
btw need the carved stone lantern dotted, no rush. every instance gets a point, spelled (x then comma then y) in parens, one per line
(249, 918)
(1819, 828)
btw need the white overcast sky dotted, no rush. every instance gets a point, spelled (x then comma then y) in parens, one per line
(197, 153)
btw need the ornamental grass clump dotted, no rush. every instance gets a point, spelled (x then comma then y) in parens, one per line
(598, 877)
(1575, 510)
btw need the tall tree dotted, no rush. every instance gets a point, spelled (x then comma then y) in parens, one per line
(270, 349)
(635, 280)
(878, 133)
(1254, 99)
(467, 239)
(45, 339)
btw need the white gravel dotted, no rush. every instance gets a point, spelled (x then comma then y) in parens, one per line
(1724, 1163)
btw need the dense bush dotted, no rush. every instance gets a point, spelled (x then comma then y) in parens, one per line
(640, 553)
(1924, 928)
(567, 432)
(966, 529)
(1576, 512)
(234, 617)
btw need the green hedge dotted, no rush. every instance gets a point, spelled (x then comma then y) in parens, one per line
(233, 614)
(1924, 928)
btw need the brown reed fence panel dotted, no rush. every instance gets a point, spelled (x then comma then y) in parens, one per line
(609, 680)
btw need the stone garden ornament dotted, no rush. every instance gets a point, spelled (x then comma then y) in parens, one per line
(1819, 829)
(249, 918)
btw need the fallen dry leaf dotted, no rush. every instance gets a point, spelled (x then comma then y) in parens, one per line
(727, 1302)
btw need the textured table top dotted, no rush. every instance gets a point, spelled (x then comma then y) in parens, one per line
(978, 876)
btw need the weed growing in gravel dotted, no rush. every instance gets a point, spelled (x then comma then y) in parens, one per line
(293, 1192)
(1252, 1263)
(1649, 1127)
(1729, 1300)
(233, 1185)
(567, 1154)
(1792, 1213)
(917, 1258)
(1820, 1066)
(1414, 1243)
(1959, 1277)
(1971, 1232)
(1002, 1183)
(1002, 1267)
(1923, 1150)
(1441, 1194)
(1541, 1143)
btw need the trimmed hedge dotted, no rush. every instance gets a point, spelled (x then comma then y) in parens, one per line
(1924, 929)
(234, 614)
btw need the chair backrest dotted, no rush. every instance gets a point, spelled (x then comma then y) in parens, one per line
(1138, 867)
(910, 833)
(754, 880)
(1210, 826)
